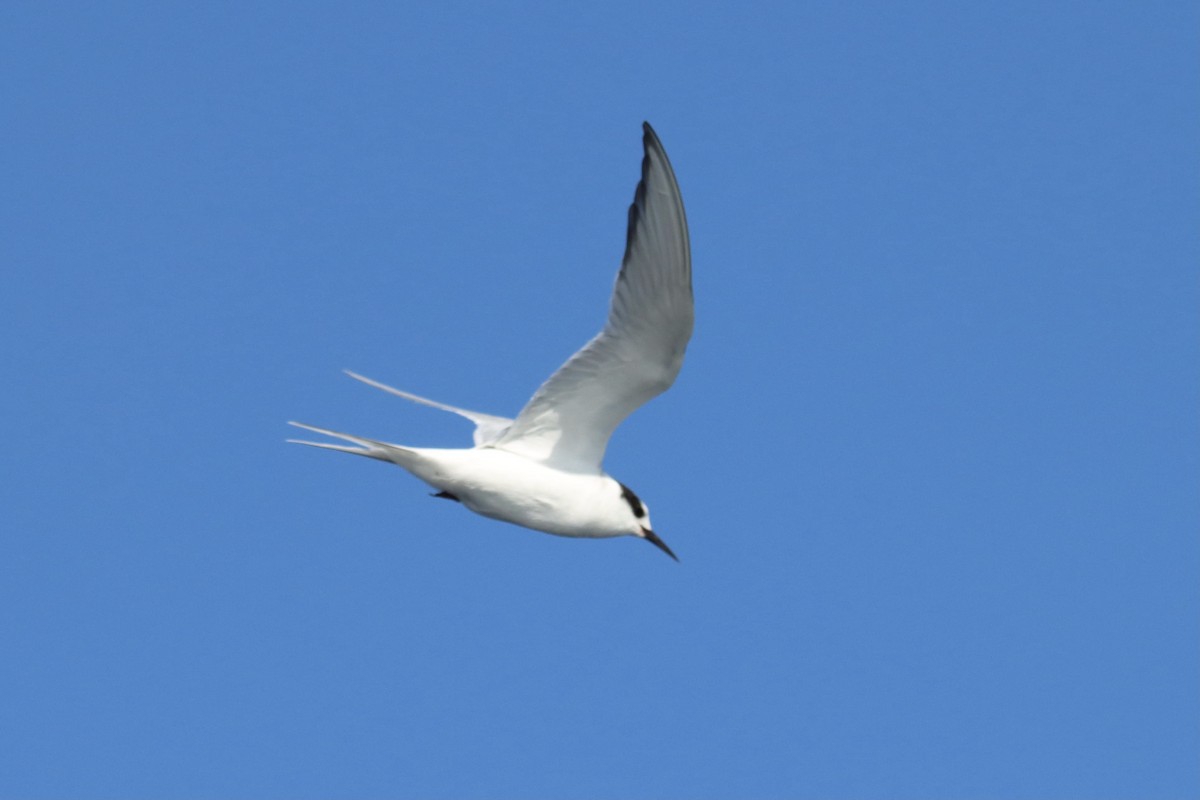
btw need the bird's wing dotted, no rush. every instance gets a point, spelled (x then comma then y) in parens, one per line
(637, 355)
(487, 427)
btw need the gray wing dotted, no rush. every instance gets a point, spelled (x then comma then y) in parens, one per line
(640, 350)
(488, 428)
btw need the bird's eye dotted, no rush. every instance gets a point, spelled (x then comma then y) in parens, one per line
(635, 504)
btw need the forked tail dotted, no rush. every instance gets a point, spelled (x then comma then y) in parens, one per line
(370, 448)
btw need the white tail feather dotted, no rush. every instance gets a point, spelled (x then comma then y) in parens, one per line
(366, 447)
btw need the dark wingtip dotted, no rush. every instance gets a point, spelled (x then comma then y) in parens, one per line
(649, 137)
(649, 142)
(652, 537)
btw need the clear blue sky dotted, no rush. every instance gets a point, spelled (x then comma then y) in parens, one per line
(932, 466)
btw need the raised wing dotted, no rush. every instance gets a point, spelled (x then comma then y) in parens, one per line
(487, 427)
(640, 350)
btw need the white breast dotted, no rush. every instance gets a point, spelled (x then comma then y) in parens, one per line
(512, 488)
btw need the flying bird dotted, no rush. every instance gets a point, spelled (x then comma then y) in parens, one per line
(544, 469)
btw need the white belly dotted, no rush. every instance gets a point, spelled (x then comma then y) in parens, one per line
(512, 488)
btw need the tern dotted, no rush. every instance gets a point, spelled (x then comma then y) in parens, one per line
(544, 469)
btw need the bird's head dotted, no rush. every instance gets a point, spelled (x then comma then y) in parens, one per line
(640, 525)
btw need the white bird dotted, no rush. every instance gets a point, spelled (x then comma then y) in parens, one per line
(543, 470)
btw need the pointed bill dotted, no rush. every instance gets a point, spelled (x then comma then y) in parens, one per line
(652, 537)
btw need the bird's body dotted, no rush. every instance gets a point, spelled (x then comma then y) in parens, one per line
(543, 469)
(502, 485)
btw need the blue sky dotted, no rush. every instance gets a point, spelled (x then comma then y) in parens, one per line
(931, 466)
